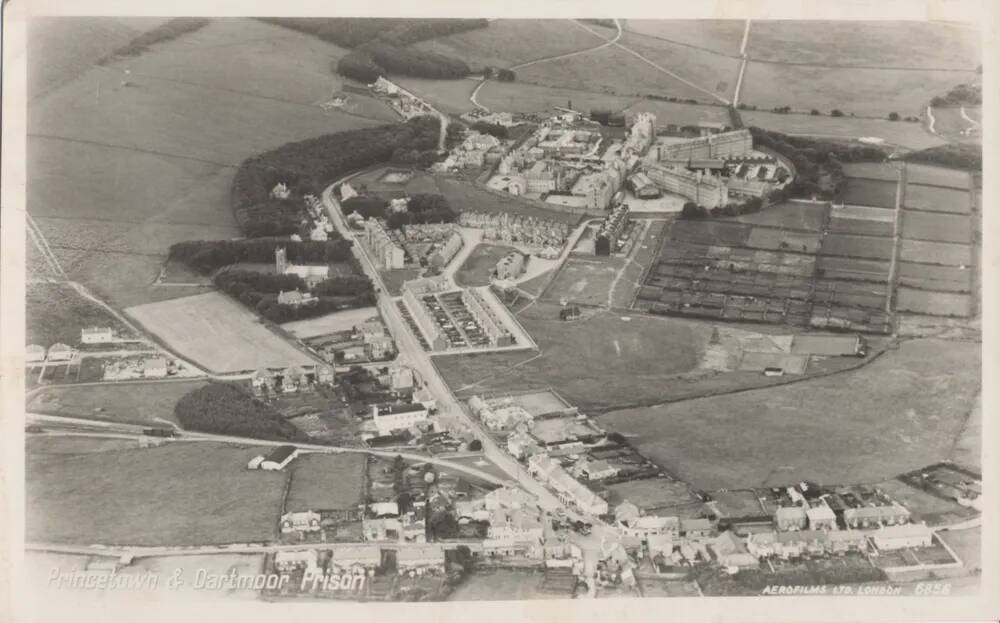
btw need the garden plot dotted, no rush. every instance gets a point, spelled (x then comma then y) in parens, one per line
(862, 227)
(936, 227)
(853, 269)
(937, 199)
(782, 240)
(867, 247)
(866, 192)
(935, 253)
(933, 303)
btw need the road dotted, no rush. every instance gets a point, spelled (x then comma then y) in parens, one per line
(451, 414)
(743, 63)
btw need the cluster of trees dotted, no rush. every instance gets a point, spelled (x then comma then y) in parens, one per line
(306, 166)
(493, 129)
(164, 32)
(500, 74)
(259, 291)
(225, 409)
(782, 110)
(422, 208)
(671, 98)
(963, 94)
(207, 256)
(817, 162)
(371, 60)
(956, 156)
(693, 211)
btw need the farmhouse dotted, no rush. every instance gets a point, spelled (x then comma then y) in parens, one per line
(60, 352)
(907, 535)
(96, 335)
(279, 458)
(393, 417)
(33, 353)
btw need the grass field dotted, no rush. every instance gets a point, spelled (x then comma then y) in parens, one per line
(937, 176)
(585, 281)
(871, 43)
(937, 227)
(448, 96)
(933, 303)
(907, 134)
(144, 403)
(722, 36)
(874, 193)
(789, 215)
(968, 449)
(867, 92)
(814, 430)
(118, 172)
(39, 445)
(503, 585)
(868, 247)
(480, 265)
(217, 332)
(57, 313)
(713, 72)
(330, 323)
(508, 42)
(935, 253)
(594, 363)
(175, 494)
(950, 125)
(681, 114)
(326, 482)
(526, 98)
(933, 198)
(614, 71)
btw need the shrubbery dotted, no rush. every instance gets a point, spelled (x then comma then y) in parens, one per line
(207, 256)
(493, 129)
(307, 166)
(224, 409)
(956, 156)
(962, 94)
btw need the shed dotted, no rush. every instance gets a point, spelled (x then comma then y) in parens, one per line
(279, 458)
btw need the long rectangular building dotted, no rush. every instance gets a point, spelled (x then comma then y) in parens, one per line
(723, 145)
(705, 190)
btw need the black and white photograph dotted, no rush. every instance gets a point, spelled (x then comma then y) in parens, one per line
(342, 311)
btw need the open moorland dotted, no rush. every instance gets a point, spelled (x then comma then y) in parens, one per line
(145, 403)
(217, 332)
(596, 362)
(176, 494)
(922, 394)
(139, 153)
(722, 36)
(679, 113)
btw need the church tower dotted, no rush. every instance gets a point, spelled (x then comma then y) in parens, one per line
(280, 260)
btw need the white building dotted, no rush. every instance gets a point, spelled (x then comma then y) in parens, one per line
(285, 560)
(393, 417)
(906, 535)
(279, 458)
(306, 521)
(60, 352)
(96, 335)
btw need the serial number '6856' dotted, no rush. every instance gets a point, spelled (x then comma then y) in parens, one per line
(934, 589)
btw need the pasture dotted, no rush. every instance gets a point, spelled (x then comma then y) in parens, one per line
(935, 253)
(480, 265)
(679, 113)
(216, 332)
(861, 91)
(56, 313)
(907, 134)
(594, 363)
(122, 497)
(936, 227)
(142, 403)
(814, 430)
(866, 43)
(872, 193)
(952, 126)
(937, 176)
(721, 36)
(121, 165)
(448, 96)
(519, 97)
(585, 281)
(933, 303)
(713, 72)
(937, 199)
(326, 482)
(330, 323)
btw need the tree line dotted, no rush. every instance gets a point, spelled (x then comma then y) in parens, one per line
(307, 166)
(963, 94)
(164, 32)
(207, 256)
(259, 291)
(963, 156)
(420, 209)
(225, 409)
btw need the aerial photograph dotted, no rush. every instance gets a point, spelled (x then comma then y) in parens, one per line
(452, 310)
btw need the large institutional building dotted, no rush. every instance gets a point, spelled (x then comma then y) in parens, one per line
(705, 190)
(724, 145)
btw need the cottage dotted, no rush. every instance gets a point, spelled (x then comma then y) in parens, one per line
(306, 521)
(279, 458)
(907, 535)
(155, 367)
(846, 541)
(355, 558)
(286, 561)
(60, 352)
(96, 335)
(731, 552)
(790, 518)
(696, 528)
(34, 353)
(821, 517)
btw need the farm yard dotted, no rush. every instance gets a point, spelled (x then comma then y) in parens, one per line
(906, 134)
(121, 165)
(327, 482)
(176, 494)
(218, 333)
(144, 403)
(595, 363)
(813, 430)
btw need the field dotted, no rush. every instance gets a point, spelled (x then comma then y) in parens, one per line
(217, 333)
(326, 482)
(120, 166)
(375, 181)
(935, 253)
(175, 494)
(508, 42)
(330, 323)
(722, 36)
(57, 313)
(922, 197)
(146, 403)
(38, 445)
(480, 265)
(951, 125)
(937, 176)
(936, 227)
(779, 239)
(860, 43)
(575, 358)
(874, 193)
(612, 70)
(853, 269)
(735, 504)
(930, 508)
(861, 91)
(713, 72)
(933, 303)
(907, 134)
(868, 247)
(814, 430)
(789, 215)
(448, 96)
(585, 281)
(669, 496)
(526, 98)
(539, 403)
(680, 114)
(968, 450)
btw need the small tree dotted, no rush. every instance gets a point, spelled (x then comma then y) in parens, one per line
(814, 112)
(691, 210)
(894, 116)
(836, 112)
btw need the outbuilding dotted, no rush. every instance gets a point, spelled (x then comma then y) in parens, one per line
(279, 458)
(60, 352)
